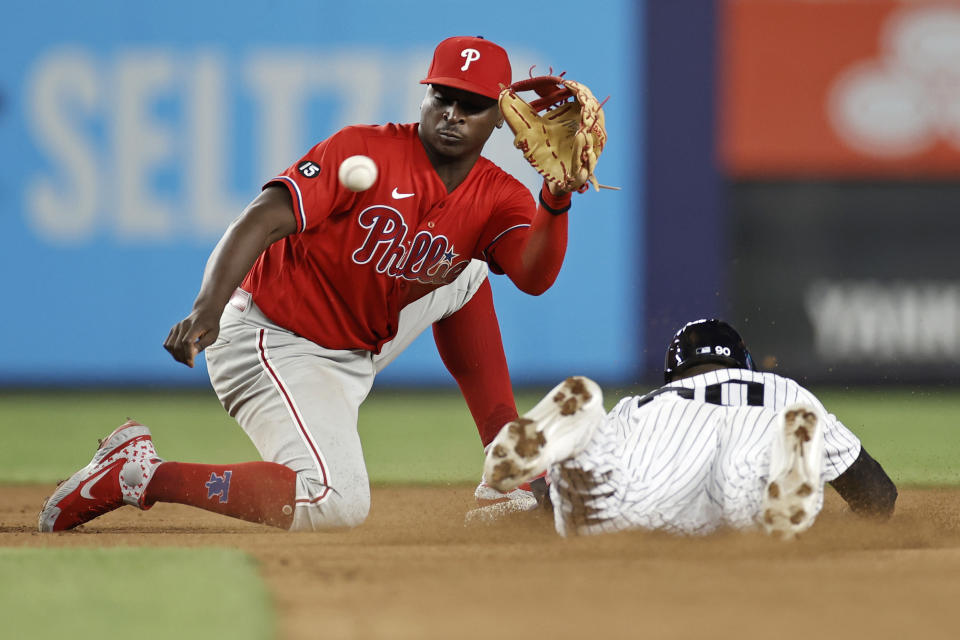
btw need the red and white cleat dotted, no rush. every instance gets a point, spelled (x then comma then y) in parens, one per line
(118, 474)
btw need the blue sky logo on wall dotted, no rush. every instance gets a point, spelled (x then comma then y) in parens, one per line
(139, 138)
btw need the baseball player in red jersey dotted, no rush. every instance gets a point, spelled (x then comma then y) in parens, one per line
(316, 288)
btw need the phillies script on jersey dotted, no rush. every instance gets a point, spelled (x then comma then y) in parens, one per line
(358, 258)
(428, 258)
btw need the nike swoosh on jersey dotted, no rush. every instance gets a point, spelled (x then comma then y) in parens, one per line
(85, 489)
(400, 196)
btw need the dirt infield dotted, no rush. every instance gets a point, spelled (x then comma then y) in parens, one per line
(415, 571)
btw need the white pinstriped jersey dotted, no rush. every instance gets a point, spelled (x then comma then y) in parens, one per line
(735, 387)
(687, 458)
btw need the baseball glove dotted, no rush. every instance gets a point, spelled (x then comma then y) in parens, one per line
(563, 143)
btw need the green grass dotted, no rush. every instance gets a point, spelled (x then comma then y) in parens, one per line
(128, 592)
(418, 436)
(49, 435)
(408, 436)
(915, 434)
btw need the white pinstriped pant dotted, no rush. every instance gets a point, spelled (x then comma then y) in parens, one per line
(298, 402)
(676, 465)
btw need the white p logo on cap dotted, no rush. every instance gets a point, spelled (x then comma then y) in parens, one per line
(470, 55)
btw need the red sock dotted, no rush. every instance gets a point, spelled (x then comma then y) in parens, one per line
(261, 492)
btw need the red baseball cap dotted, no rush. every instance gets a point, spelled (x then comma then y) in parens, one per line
(471, 64)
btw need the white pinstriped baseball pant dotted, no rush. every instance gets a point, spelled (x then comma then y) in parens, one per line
(655, 468)
(298, 402)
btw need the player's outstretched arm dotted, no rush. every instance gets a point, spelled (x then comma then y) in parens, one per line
(470, 346)
(532, 257)
(267, 219)
(867, 488)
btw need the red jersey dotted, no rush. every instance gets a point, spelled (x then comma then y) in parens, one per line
(358, 258)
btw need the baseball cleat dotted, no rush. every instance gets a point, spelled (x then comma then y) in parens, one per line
(794, 490)
(557, 428)
(124, 463)
(522, 496)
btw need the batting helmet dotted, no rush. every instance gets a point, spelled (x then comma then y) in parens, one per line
(703, 341)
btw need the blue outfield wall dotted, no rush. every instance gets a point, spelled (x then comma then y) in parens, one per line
(685, 221)
(133, 134)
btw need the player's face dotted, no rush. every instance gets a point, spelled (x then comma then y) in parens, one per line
(456, 123)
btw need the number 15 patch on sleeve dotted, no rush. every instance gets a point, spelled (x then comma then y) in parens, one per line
(308, 169)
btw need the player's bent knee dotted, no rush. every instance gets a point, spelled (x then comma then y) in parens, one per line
(308, 517)
(321, 507)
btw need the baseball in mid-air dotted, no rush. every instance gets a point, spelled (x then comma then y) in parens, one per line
(357, 173)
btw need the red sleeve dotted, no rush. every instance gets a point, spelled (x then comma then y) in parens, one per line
(471, 348)
(532, 256)
(514, 210)
(312, 180)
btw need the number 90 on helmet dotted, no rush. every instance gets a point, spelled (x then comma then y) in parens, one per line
(706, 341)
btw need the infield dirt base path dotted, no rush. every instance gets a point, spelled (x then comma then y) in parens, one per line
(415, 571)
